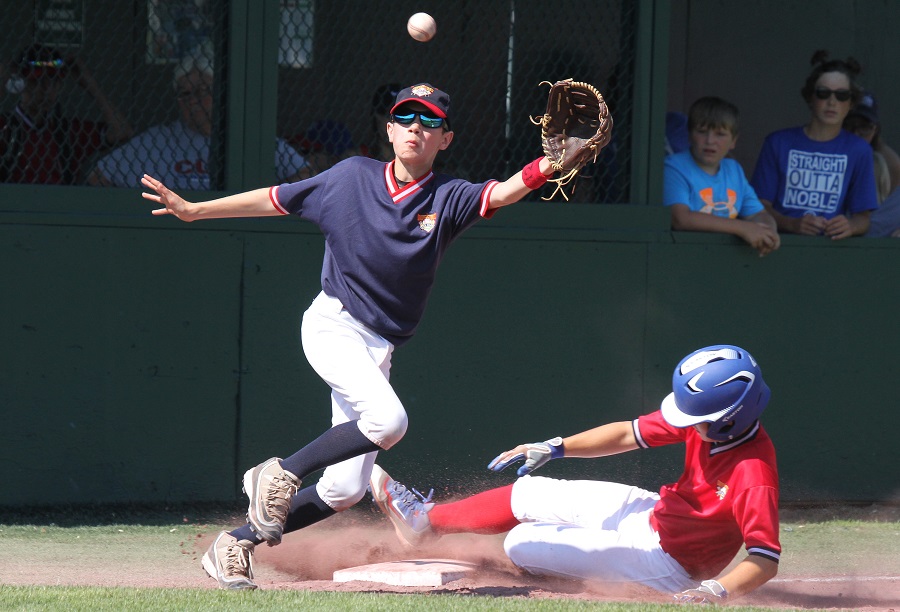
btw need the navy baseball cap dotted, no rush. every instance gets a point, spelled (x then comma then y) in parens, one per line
(867, 107)
(429, 95)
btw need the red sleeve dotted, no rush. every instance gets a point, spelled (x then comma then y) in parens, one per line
(652, 430)
(756, 512)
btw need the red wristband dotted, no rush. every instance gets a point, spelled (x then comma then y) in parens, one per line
(532, 175)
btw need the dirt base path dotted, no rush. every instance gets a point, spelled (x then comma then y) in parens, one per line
(307, 561)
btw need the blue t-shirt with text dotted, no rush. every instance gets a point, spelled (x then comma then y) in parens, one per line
(802, 176)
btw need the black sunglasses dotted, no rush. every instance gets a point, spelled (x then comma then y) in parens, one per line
(823, 93)
(425, 120)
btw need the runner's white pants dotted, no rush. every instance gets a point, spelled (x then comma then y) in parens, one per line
(590, 530)
(356, 363)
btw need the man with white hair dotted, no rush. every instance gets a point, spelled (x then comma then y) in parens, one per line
(178, 152)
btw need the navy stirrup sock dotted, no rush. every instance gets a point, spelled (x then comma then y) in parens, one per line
(339, 443)
(306, 508)
(246, 533)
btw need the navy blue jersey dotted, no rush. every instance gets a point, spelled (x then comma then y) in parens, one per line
(383, 242)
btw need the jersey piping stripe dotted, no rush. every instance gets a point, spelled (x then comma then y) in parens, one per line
(399, 194)
(764, 552)
(637, 434)
(484, 211)
(25, 118)
(273, 198)
(726, 446)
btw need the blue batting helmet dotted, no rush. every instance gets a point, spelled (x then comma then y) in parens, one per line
(721, 385)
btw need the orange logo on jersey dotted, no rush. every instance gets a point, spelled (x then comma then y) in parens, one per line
(721, 489)
(427, 222)
(717, 208)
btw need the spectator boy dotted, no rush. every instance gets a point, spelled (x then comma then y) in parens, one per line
(708, 192)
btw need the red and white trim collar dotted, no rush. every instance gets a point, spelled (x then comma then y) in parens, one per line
(398, 193)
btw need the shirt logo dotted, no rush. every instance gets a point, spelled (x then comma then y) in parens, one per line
(721, 489)
(422, 91)
(427, 222)
(721, 209)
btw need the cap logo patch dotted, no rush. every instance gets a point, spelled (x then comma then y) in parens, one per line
(427, 222)
(422, 91)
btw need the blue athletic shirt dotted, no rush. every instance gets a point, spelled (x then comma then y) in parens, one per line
(724, 194)
(383, 241)
(803, 176)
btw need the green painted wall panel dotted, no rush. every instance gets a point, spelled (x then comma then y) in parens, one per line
(118, 377)
(284, 403)
(146, 360)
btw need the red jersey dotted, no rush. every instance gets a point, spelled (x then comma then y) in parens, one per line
(52, 154)
(726, 497)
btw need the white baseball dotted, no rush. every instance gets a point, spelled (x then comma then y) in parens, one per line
(422, 27)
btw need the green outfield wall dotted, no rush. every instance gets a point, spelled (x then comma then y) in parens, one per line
(149, 360)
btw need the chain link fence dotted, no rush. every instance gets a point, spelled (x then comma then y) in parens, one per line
(100, 91)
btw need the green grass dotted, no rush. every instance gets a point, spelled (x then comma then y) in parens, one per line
(93, 599)
(166, 545)
(840, 548)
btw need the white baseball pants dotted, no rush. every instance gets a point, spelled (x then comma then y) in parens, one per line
(356, 363)
(590, 530)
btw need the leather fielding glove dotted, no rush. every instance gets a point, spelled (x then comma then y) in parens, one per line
(535, 455)
(574, 129)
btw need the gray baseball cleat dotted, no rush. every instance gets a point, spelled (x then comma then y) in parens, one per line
(408, 510)
(230, 562)
(270, 489)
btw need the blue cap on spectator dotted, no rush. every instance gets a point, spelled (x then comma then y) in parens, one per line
(330, 136)
(867, 107)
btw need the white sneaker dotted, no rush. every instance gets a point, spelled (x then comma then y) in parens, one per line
(408, 510)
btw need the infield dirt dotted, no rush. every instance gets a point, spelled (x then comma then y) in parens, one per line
(853, 564)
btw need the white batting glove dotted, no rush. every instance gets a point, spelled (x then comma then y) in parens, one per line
(535, 455)
(709, 592)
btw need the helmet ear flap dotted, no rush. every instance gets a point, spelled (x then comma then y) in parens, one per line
(725, 428)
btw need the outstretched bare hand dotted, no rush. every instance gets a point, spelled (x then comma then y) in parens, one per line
(173, 204)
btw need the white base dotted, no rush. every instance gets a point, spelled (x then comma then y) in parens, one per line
(413, 572)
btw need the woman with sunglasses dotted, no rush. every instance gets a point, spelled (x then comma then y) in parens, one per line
(387, 226)
(818, 179)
